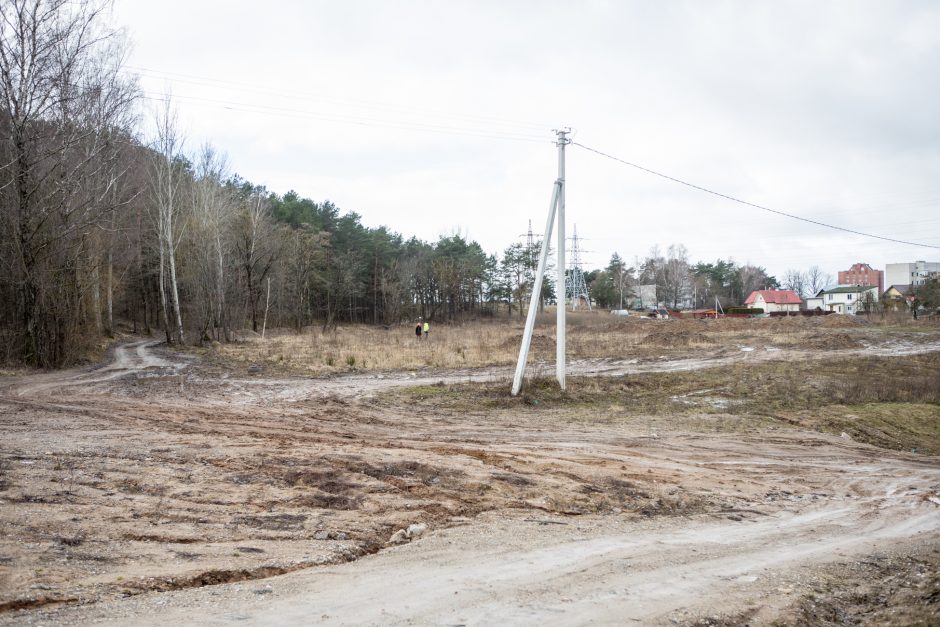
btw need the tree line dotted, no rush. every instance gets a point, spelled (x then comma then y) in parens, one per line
(100, 224)
(677, 283)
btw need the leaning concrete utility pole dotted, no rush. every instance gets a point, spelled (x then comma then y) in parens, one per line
(557, 206)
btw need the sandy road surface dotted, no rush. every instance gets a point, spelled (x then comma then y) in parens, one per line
(532, 521)
(596, 570)
(133, 359)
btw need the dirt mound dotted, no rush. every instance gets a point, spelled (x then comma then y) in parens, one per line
(789, 322)
(687, 325)
(731, 324)
(836, 321)
(832, 341)
(665, 337)
(613, 323)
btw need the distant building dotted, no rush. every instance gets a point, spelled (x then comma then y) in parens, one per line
(774, 300)
(863, 274)
(897, 297)
(848, 299)
(911, 273)
(815, 302)
(646, 295)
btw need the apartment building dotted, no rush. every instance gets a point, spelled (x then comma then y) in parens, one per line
(863, 274)
(913, 274)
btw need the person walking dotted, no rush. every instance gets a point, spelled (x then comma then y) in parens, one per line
(418, 329)
(427, 329)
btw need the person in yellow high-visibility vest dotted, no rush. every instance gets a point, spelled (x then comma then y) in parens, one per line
(427, 329)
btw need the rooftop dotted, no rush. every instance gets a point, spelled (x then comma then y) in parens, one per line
(781, 297)
(848, 289)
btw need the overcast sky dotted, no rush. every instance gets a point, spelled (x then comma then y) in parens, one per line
(436, 117)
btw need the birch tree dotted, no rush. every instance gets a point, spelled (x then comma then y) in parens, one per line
(165, 182)
(212, 207)
(255, 247)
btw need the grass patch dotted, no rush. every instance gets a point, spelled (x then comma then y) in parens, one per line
(495, 342)
(436, 391)
(763, 387)
(889, 402)
(913, 427)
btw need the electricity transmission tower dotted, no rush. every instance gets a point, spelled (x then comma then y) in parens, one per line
(529, 237)
(530, 255)
(557, 206)
(577, 290)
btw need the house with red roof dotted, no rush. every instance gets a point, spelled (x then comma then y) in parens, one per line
(774, 300)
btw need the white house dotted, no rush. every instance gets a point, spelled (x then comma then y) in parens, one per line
(847, 299)
(774, 300)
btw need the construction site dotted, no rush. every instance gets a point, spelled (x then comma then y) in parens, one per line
(693, 472)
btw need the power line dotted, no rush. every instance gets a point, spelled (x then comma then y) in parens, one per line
(306, 95)
(516, 126)
(344, 119)
(750, 204)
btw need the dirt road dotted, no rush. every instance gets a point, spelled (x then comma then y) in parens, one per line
(129, 359)
(130, 487)
(597, 570)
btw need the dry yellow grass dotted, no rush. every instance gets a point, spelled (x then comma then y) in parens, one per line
(363, 347)
(495, 342)
(489, 342)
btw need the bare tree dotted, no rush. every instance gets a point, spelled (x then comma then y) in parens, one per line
(301, 269)
(255, 246)
(676, 277)
(622, 277)
(60, 100)
(165, 181)
(110, 109)
(651, 271)
(751, 277)
(670, 273)
(816, 279)
(212, 210)
(796, 281)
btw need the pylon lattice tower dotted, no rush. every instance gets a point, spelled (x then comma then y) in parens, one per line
(529, 237)
(576, 290)
(531, 253)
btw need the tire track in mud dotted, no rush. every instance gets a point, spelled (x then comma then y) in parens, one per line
(855, 489)
(136, 359)
(132, 358)
(365, 386)
(608, 572)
